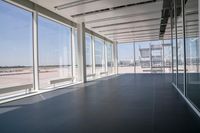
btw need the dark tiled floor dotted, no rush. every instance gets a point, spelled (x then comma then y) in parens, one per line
(142, 103)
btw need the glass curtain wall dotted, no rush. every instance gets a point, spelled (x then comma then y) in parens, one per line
(55, 64)
(167, 58)
(126, 58)
(16, 56)
(152, 56)
(57, 52)
(189, 85)
(145, 57)
(89, 56)
(99, 57)
(101, 54)
(142, 57)
(109, 57)
(76, 59)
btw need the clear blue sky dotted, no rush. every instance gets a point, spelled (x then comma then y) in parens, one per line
(15, 36)
(16, 39)
(54, 43)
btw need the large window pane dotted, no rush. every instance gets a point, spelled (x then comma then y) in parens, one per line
(125, 58)
(16, 67)
(109, 58)
(88, 54)
(142, 59)
(99, 56)
(76, 75)
(167, 58)
(55, 65)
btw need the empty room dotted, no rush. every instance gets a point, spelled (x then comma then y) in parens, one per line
(99, 66)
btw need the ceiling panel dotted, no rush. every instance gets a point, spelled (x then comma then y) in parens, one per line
(134, 10)
(141, 21)
(141, 28)
(126, 25)
(97, 5)
(127, 19)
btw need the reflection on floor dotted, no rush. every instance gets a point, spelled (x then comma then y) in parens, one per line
(142, 103)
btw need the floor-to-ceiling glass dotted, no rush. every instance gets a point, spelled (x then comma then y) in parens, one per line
(125, 58)
(145, 57)
(99, 57)
(55, 64)
(142, 57)
(192, 52)
(16, 59)
(89, 58)
(149, 57)
(76, 76)
(157, 57)
(167, 58)
(109, 57)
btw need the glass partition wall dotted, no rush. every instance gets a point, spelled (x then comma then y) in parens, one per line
(186, 28)
(31, 41)
(192, 52)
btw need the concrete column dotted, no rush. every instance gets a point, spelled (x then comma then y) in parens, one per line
(115, 58)
(35, 52)
(73, 50)
(93, 55)
(150, 56)
(105, 56)
(134, 58)
(81, 52)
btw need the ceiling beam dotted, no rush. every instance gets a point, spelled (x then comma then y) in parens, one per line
(130, 22)
(112, 8)
(73, 4)
(120, 17)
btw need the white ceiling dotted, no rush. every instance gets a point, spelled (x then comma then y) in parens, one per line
(129, 23)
